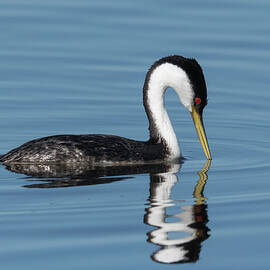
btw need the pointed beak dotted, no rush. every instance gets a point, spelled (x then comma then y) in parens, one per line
(198, 122)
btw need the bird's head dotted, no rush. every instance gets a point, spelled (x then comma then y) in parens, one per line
(186, 77)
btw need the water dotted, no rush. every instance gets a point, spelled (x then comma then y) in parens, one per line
(78, 67)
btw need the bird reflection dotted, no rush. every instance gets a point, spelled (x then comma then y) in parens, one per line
(68, 175)
(190, 222)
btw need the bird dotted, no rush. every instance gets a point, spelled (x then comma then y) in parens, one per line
(184, 75)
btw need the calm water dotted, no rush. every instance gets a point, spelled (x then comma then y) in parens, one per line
(78, 67)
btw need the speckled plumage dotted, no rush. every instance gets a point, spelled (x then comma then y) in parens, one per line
(92, 148)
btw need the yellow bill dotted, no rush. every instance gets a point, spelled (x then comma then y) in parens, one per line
(197, 119)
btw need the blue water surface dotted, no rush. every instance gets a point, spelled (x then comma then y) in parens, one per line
(75, 67)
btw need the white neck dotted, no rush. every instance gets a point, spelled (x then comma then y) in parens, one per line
(164, 76)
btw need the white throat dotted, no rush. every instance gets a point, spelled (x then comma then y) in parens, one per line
(164, 76)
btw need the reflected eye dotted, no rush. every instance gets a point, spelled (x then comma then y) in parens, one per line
(197, 100)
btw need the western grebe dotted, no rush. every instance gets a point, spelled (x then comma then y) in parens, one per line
(182, 74)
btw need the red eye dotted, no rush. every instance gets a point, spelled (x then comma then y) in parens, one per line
(197, 100)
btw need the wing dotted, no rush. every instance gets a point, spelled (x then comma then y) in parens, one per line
(93, 148)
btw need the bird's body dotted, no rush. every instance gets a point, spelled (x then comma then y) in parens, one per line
(90, 148)
(184, 75)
